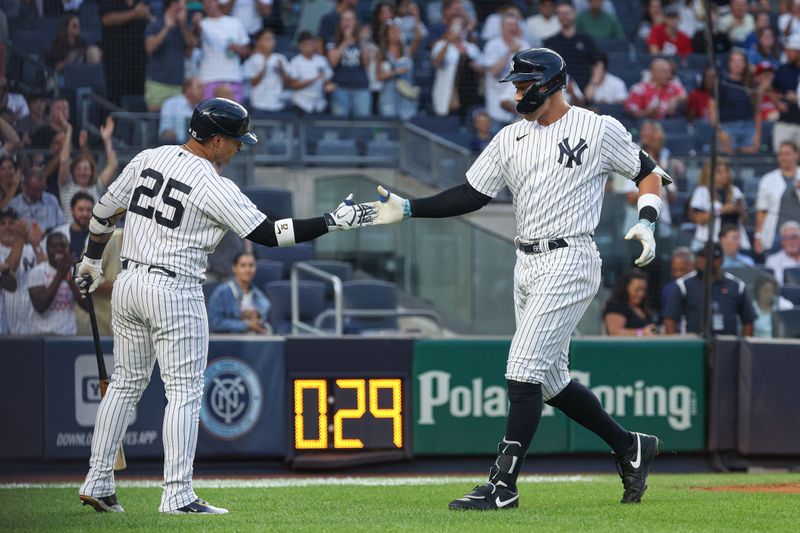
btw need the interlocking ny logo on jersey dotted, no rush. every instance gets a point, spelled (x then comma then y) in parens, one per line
(572, 154)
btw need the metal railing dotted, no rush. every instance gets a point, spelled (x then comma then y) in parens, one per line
(432, 159)
(298, 325)
(383, 313)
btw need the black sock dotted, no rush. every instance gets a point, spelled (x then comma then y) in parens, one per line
(582, 406)
(524, 413)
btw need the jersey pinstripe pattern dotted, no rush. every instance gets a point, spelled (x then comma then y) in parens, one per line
(557, 176)
(17, 305)
(178, 211)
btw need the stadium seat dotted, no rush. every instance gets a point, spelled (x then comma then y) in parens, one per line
(267, 271)
(91, 76)
(792, 276)
(438, 125)
(383, 148)
(311, 298)
(791, 293)
(747, 274)
(277, 203)
(675, 126)
(681, 144)
(702, 135)
(612, 45)
(786, 324)
(343, 148)
(29, 42)
(370, 295)
(288, 255)
(341, 269)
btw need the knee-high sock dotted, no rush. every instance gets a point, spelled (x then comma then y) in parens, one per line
(582, 406)
(524, 413)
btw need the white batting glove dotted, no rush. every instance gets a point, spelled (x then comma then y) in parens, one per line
(642, 231)
(349, 215)
(88, 274)
(392, 208)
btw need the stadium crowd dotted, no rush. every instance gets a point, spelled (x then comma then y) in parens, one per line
(398, 60)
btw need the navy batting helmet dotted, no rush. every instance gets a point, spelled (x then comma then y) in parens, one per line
(545, 68)
(220, 116)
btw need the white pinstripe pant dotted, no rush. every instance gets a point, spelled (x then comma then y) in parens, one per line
(154, 317)
(551, 292)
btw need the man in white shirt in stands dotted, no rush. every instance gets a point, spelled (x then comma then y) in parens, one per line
(309, 72)
(770, 191)
(224, 41)
(173, 122)
(604, 87)
(251, 13)
(267, 72)
(496, 61)
(545, 24)
(789, 256)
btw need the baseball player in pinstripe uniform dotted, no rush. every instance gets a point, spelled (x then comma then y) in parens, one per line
(178, 208)
(555, 162)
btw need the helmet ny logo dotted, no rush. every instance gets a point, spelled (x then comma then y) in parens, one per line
(572, 154)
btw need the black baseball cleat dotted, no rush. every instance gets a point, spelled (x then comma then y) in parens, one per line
(488, 497)
(106, 504)
(199, 506)
(634, 466)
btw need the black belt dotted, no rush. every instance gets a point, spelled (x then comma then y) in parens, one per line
(150, 268)
(534, 248)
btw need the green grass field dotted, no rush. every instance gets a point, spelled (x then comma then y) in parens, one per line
(588, 503)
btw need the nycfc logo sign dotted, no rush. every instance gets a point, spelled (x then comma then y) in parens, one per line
(233, 399)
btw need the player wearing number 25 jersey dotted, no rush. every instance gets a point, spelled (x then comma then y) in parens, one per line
(178, 210)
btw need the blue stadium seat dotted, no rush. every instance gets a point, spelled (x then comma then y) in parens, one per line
(370, 295)
(612, 45)
(91, 76)
(277, 203)
(766, 135)
(675, 126)
(786, 324)
(267, 271)
(791, 293)
(702, 134)
(341, 269)
(437, 124)
(288, 255)
(792, 276)
(312, 303)
(383, 148)
(337, 147)
(681, 144)
(30, 42)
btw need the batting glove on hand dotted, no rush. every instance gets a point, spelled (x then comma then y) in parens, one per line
(643, 232)
(349, 215)
(391, 208)
(88, 274)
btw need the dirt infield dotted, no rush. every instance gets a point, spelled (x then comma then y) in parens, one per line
(783, 488)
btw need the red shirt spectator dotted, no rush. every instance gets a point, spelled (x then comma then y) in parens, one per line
(662, 42)
(698, 104)
(658, 98)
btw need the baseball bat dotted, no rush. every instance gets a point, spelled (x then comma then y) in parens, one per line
(119, 463)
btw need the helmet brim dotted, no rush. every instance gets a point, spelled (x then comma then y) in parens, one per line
(248, 138)
(521, 76)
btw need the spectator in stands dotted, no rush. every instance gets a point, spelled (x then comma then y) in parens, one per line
(10, 139)
(492, 26)
(382, 13)
(576, 48)
(411, 24)
(681, 264)
(167, 41)
(53, 291)
(784, 94)
(653, 16)
(77, 230)
(482, 131)
(20, 252)
(666, 39)
(309, 72)
(349, 55)
(451, 9)
(692, 16)
(729, 206)
(762, 20)
(730, 241)
(37, 104)
(738, 23)
(124, 57)
(42, 137)
(330, 22)
(764, 74)
(598, 23)
(658, 98)
(237, 306)
(251, 13)
(13, 101)
(496, 62)
(789, 22)
(604, 87)
(80, 174)
(626, 312)
(35, 204)
(399, 97)
(268, 72)
(10, 180)
(738, 107)
(789, 210)
(173, 122)
(456, 60)
(771, 188)
(789, 255)
(719, 39)
(767, 300)
(765, 49)
(698, 106)
(729, 301)
(224, 41)
(69, 47)
(545, 23)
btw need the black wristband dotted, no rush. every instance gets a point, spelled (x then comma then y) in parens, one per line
(94, 249)
(648, 213)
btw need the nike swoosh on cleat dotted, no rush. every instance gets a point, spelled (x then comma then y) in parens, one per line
(522, 137)
(500, 503)
(638, 462)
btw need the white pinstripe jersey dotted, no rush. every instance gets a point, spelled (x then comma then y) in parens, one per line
(17, 304)
(179, 209)
(556, 173)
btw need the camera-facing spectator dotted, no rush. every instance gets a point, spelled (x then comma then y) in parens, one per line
(789, 254)
(330, 21)
(173, 120)
(411, 25)
(35, 204)
(69, 47)
(729, 206)
(124, 57)
(77, 230)
(738, 23)
(268, 72)
(598, 23)
(626, 312)
(545, 23)
(496, 62)
(251, 13)
(771, 188)
(730, 240)
(604, 87)
(730, 303)
(236, 306)
(399, 96)
(658, 98)
(349, 54)
(738, 107)
(53, 292)
(666, 39)
(450, 10)
(766, 301)
(310, 73)
(492, 26)
(20, 252)
(576, 48)
(457, 76)
(653, 16)
(166, 42)
(224, 41)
